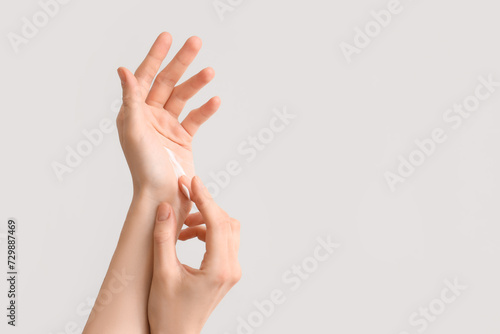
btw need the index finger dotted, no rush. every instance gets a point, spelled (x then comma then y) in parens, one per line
(148, 69)
(216, 220)
(167, 79)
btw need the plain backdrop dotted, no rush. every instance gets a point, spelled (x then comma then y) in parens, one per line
(321, 175)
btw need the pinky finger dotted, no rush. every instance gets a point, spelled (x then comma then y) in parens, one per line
(198, 116)
(199, 232)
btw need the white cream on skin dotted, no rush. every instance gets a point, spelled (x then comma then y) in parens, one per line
(178, 170)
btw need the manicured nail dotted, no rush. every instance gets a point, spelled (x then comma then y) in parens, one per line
(164, 213)
(185, 191)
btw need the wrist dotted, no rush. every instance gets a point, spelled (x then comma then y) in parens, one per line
(150, 198)
(154, 194)
(167, 330)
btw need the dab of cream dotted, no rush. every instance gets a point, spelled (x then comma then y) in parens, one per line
(178, 170)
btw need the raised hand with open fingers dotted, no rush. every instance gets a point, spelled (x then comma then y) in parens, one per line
(150, 132)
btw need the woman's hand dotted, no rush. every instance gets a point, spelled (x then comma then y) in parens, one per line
(181, 297)
(148, 120)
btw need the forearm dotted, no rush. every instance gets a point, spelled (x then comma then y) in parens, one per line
(121, 305)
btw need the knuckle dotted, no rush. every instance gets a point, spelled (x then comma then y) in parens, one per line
(221, 217)
(166, 80)
(161, 237)
(226, 220)
(222, 277)
(235, 224)
(224, 215)
(128, 101)
(228, 276)
(183, 61)
(237, 273)
(217, 222)
(149, 73)
(179, 96)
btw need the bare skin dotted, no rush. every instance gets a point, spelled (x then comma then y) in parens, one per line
(182, 298)
(148, 122)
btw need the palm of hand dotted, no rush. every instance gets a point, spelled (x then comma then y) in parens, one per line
(148, 120)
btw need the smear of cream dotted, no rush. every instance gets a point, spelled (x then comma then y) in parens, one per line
(175, 164)
(178, 170)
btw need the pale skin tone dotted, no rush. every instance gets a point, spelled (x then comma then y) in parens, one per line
(182, 298)
(147, 123)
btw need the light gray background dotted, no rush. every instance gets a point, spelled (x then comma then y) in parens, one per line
(323, 175)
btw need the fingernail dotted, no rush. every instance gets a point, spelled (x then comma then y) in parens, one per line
(185, 191)
(164, 213)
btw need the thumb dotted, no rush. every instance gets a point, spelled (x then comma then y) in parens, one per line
(165, 234)
(131, 89)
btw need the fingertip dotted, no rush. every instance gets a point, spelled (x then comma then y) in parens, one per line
(211, 106)
(199, 191)
(209, 73)
(182, 236)
(163, 43)
(216, 101)
(124, 74)
(194, 183)
(121, 74)
(165, 35)
(184, 186)
(184, 180)
(195, 42)
(123, 70)
(131, 89)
